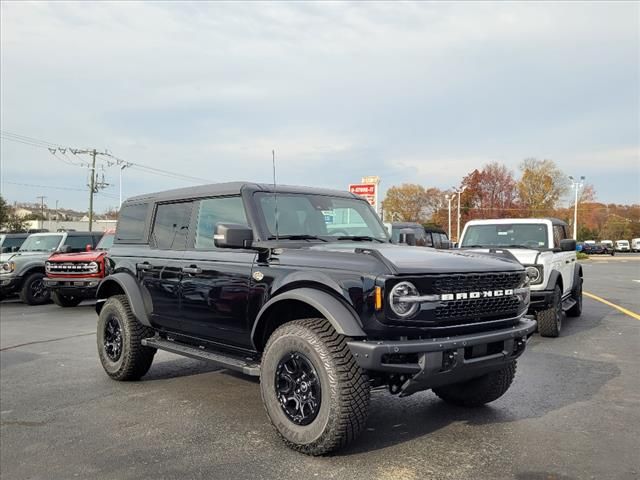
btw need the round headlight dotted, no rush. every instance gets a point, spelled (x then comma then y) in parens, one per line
(93, 266)
(533, 273)
(400, 308)
(7, 267)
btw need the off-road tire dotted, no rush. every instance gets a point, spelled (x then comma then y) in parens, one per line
(479, 391)
(65, 301)
(345, 390)
(550, 320)
(27, 294)
(135, 359)
(576, 310)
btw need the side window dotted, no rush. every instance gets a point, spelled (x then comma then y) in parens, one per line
(429, 240)
(79, 243)
(131, 223)
(213, 211)
(558, 234)
(171, 226)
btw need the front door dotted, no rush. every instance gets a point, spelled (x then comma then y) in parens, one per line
(215, 281)
(160, 271)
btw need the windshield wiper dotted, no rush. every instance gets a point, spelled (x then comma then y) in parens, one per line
(360, 238)
(297, 237)
(475, 246)
(516, 246)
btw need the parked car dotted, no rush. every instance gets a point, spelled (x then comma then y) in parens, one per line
(10, 242)
(422, 236)
(543, 246)
(635, 245)
(623, 246)
(593, 248)
(302, 288)
(74, 277)
(23, 271)
(607, 248)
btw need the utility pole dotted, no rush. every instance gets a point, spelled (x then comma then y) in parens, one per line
(459, 192)
(41, 197)
(577, 185)
(94, 185)
(122, 167)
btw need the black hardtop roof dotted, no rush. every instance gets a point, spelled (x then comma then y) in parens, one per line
(15, 234)
(553, 220)
(231, 188)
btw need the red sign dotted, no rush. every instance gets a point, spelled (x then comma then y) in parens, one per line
(366, 190)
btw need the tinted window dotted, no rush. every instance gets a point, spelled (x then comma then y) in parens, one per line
(79, 243)
(558, 234)
(131, 222)
(12, 242)
(171, 226)
(217, 210)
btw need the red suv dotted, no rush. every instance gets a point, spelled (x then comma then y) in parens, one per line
(74, 277)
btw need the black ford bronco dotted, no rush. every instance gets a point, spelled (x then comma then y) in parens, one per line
(303, 288)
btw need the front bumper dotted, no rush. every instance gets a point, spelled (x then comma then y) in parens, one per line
(9, 284)
(540, 300)
(444, 361)
(79, 287)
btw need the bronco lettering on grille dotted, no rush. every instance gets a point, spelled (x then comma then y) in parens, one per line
(485, 294)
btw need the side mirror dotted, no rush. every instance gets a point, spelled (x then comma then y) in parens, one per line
(231, 235)
(408, 237)
(66, 249)
(568, 245)
(89, 247)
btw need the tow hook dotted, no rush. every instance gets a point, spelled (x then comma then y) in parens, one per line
(449, 359)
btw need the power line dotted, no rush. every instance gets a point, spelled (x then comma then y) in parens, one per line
(47, 186)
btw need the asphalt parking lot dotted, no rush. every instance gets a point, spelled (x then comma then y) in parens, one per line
(572, 413)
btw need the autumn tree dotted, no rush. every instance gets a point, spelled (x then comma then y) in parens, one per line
(541, 186)
(9, 221)
(490, 192)
(411, 203)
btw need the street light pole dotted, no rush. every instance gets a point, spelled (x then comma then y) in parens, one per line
(122, 167)
(459, 192)
(577, 185)
(449, 198)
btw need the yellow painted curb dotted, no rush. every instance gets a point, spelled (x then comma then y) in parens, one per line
(617, 307)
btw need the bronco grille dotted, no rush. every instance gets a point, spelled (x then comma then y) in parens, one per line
(477, 309)
(477, 282)
(76, 268)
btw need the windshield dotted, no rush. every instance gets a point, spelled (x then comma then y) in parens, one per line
(106, 242)
(528, 235)
(324, 217)
(41, 243)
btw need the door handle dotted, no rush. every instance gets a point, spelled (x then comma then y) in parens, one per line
(192, 270)
(144, 266)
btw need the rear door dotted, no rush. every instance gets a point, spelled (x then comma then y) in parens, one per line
(215, 281)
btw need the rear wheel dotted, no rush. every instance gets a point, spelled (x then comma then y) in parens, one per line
(65, 300)
(479, 391)
(34, 291)
(550, 320)
(315, 394)
(119, 338)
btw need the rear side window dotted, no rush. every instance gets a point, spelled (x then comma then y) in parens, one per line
(131, 223)
(171, 226)
(213, 211)
(558, 234)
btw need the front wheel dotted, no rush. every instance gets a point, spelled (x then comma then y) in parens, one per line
(65, 300)
(119, 337)
(34, 291)
(315, 394)
(479, 391)
(550, 320)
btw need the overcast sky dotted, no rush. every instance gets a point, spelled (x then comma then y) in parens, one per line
(410, 92)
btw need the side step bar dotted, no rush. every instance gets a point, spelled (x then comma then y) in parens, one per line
(246, 366)
(567, 303)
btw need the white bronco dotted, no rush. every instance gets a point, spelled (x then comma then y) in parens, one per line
(549, 256)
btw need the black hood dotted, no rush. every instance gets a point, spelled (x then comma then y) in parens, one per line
(397, 259)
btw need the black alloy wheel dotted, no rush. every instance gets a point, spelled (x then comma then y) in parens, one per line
(298, 388)
(113, 339)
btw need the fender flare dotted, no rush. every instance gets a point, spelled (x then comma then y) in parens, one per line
(577, 278)
(343, 318)
(129, 285)
(554, 277)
